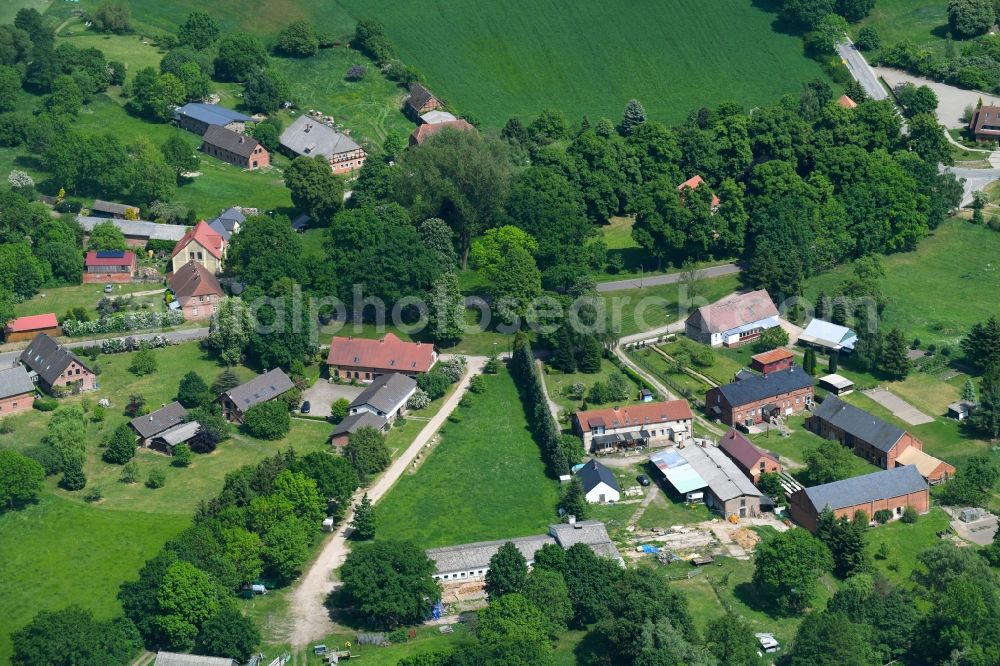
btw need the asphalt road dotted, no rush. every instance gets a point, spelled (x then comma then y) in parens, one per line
(973, 180)
(8, 358)
(861, 70)
(672, 278)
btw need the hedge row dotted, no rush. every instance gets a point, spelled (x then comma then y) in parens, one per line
(122, 322)
(532, 392)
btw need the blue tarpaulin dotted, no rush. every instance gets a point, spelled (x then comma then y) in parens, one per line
(652, 550)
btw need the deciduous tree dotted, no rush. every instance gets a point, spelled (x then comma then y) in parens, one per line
(268, 420)
(21, 479)
(507, 573)
(367, 451)
(390, 582)
(121, 446)
(787, 566)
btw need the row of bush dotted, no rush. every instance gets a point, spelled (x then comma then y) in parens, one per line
(529, 384)
(123, 322)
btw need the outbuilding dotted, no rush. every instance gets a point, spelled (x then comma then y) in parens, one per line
(25, 328)
(599, 483)
(17, 391)
(262, 388)
(109, 266)
(836, 384)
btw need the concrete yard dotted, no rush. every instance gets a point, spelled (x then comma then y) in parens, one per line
(899, 407)
(322, 394)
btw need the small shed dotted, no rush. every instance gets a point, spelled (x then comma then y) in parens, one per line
(836, 384)
(646, 395)
(960, 410)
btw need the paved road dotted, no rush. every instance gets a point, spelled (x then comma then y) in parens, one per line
(310, 618)
(8, 358)
(671, 278)
(952, 100)
(861, 70)
(973, 179)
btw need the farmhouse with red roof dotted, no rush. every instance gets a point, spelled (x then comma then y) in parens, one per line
(202, 244)
(694, 183)
(25, 328)
(364, 360)
(109, 266)
(651, 423)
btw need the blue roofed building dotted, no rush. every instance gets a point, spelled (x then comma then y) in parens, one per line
(197, 117)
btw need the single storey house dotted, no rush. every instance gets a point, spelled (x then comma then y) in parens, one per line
(109, 266)
(599, 483)
(229, 222)
(424, 132)
(262, 388)
(234, 148)
(25, 328)
(203, 244)
(197, 117)
(753, 399)
(109, 209)
(985, 123)
(51, 364)
(771, 361)
(893, 490)
(471, 561)
(700, 470)
(646, 424)
(386, 396)
(152, 425)
(694, 183)
(365, 360)
(196, 291)
(836, 384)
(137, 233)
(354, 422)
(751, 460)
(828, 337)
(310, 138)
(421, 101)
(17, 391)
(733, 321)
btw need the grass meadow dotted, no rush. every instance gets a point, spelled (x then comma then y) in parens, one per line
(484, 480)
(921, 22)
(517, 57)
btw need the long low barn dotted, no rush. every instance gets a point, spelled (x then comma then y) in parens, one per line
(707, 469)
(137, 232)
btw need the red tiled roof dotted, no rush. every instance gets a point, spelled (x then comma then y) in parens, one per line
(389, 353)
(635, 415)
(206, 236)
(424, 132)
(32, 323)
(846, 102)
(693, 182)
(126, 259)
(742, 450)
(193, 279)
(772, 356)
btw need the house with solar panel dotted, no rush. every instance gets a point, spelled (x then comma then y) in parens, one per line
(198, 117)
(109, 266)
(236, 401)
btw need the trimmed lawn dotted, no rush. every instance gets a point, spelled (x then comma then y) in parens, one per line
(61, 299)
(724, 366)
(794, 447)
(59, 552)
(635, 310)
(904, 542)
(517, 57)
(951, 281)
(484, 480)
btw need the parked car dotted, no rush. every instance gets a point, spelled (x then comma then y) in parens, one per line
(642, 479)
(304, 409)
(108, 288)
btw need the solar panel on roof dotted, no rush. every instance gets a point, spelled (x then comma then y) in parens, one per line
(111, 254)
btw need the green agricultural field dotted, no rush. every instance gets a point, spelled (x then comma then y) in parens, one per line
(517, 57)
(922, 22)
(951, 281)
(59, 552)
(484, 480)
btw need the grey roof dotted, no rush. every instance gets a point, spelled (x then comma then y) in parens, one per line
(309, 137)
(157, 422)
(260, 389)
(212, 114)
(48, 359)
(111, 207)
(589, 532)
(150, 230)
(226, 223)
(757, 387)
(180, 433)
(386, 393)
(886, 484)
(859, 423)
(593, 474)
(725, 480)
(476, 556)
(352, 422)
(176, 659)
(15, 381)
(227, 139)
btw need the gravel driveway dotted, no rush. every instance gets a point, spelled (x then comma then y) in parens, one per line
(322, 394)
(951, 100)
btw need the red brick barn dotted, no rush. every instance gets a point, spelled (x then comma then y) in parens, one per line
(753, 399)
(751, 460)
(770, 361)
(109, 266)
(25, 328)
(236, 149)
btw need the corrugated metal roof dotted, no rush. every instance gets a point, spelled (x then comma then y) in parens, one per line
(212, 114)
(681, 475)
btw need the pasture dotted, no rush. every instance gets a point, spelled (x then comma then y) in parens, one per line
(484, 480)
(517, 57)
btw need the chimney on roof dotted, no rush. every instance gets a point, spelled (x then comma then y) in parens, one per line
(572, 520)
(242, 138)
(308, 126)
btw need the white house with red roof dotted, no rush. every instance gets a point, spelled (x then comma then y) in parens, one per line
(364, 360)
(694, 183)
(26, 328)
(109, 266)
(202, 244)
(646, 424)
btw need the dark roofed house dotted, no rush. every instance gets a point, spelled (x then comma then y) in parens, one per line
(891, 490)
(236, 149)
(310, 138)
(354, 422)
(17, 391)
(420, 101)
(985, 123)
(599, 483)
(197, 117)
(385, 397)
(109, 209)
(262, 388)
(196, 291)
(109, 266)
(753, 399)
(751, 460)
(52, 365)
(154, 424)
